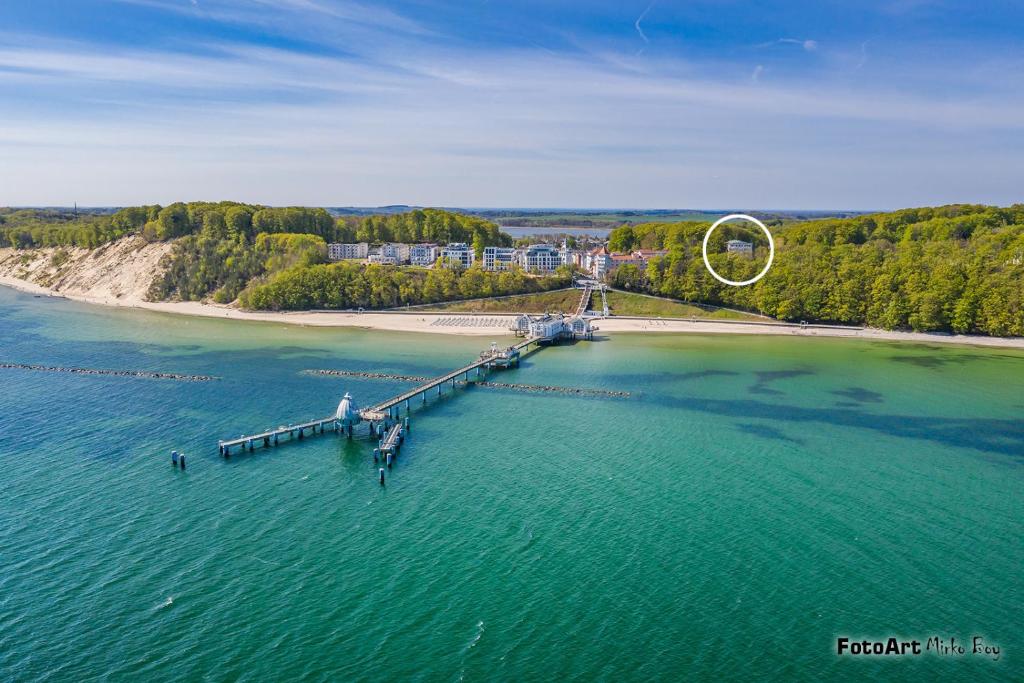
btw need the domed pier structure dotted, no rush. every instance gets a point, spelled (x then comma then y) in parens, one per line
(347, 415)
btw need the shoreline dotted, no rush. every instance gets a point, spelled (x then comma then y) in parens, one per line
(490, 324)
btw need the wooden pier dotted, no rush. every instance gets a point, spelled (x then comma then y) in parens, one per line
(383, 418)
(272, 437)
(385, 408)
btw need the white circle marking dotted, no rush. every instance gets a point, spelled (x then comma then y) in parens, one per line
(771, 249)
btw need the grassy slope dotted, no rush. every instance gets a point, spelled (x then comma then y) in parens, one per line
(564, 300)
(626, 303)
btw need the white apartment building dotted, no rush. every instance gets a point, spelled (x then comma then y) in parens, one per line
(500, 258)
(567, 255)
(537, 257)
(597, 262)
(340, 252)
(541, 257)
(423, 254)
(740, 247)
(458, 253)
(390, 254)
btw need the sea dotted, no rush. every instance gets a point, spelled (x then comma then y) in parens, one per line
(751, 501)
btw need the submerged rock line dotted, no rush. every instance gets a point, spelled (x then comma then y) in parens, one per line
(536, 388)
(145, 374)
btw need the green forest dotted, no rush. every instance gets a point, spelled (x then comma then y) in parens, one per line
(288, 271)
(261, 256)
(29, 228)
(957, 268)
(351, 285)
(227, 250)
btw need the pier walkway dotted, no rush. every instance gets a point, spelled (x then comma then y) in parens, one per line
(381, 410)
(383, 418)
(584, 301)
(271, 437)
(381, 415)
(392, 440)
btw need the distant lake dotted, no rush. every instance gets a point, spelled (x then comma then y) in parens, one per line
(526, 231)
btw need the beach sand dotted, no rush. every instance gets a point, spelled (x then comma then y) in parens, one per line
(490, 324)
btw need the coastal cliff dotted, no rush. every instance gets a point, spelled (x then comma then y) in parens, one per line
(121, 271)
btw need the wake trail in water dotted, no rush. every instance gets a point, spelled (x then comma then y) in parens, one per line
(476, 637)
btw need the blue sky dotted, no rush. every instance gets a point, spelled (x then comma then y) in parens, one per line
(697, 103)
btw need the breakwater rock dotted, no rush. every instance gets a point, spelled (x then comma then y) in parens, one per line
(145, 374)
(534, 388)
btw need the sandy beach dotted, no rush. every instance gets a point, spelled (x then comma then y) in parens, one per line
(491, 324)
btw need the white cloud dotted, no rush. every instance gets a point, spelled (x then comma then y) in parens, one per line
(808, 45)
(272, 13)
(643, 15)
(437, 125)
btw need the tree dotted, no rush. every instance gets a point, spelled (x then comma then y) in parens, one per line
(622, 239)
(239, 222)
(214, 225)
(173, 221)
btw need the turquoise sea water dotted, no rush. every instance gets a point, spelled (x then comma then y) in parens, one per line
(751, 501)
